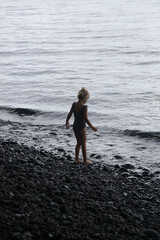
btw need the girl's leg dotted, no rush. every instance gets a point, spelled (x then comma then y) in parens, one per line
(83, 143)
(77, 148)
(77, 152)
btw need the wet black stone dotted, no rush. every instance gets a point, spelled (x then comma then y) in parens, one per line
(98, 156)
(151, 234)
(105, 168)
(145, 173)
(93, 155)
(125, 174)
(118, 157)
(61, 150)
(122, 170)
(16, 236)
(59, 200)
(116, 166)
(128, 166)
(69, 157)
(68, 179)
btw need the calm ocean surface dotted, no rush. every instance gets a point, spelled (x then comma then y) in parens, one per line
(50, 49)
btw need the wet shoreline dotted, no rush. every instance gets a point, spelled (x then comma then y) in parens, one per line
(50, 137)
(47, 196)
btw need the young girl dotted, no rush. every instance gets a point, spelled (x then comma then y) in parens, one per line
(80, 119)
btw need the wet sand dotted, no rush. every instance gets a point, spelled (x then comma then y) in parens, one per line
(47, 196)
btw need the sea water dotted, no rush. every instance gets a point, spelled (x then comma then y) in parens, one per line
(50, 49)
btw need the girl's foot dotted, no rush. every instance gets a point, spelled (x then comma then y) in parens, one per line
(88, 162)
(78, 161)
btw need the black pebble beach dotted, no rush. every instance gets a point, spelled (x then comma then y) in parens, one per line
(47, 196)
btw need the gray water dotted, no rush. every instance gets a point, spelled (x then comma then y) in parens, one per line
(50, 49)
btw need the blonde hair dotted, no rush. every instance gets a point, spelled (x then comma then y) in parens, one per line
(83, 94)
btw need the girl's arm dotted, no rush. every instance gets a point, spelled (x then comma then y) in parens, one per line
(68, 117)
(87, 120)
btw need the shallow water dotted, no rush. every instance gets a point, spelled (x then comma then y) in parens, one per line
(49, 50)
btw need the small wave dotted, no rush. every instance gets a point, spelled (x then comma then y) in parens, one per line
(144, 63)
(27, 112)
(31, 116)
(21, 111)
(149, 63)
(33, 73)
(141, 134)
(12, 53)
(133, 52)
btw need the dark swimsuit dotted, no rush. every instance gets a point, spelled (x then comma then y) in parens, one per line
(79, 121)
